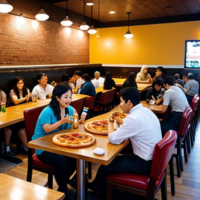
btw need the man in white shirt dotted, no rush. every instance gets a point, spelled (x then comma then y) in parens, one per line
(176, 99)
(42, 90)
(98, 81)
(142, 127)
(79, 80)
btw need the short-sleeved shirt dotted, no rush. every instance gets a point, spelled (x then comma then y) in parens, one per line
(98, 82)
(192, 86)
(47, 117)
(88, 89)
(41, 92)
(176, 99)
(2, 96)
(79, 82)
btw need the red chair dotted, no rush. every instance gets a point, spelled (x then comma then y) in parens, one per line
(106, 99)
(194, 105)
(147, 185)
(89, 102)
(30, 120)
(78, 105)
(182, 138)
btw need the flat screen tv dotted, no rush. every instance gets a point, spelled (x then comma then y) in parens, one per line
(192, 54)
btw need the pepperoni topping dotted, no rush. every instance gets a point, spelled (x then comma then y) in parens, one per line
(75, 134)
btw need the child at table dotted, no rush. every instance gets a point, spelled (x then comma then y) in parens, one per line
(52, 119)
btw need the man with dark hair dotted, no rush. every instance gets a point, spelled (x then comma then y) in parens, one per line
(160, 73)
(177, 100)
(178, 80)
(79, 80)
(191, 87)
(87, 87)
(42, 90)
(142, 127)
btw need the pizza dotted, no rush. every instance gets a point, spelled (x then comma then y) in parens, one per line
(74, 140)
(116, 114)
(97, 127)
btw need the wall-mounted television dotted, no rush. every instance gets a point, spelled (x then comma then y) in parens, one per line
(192, 54)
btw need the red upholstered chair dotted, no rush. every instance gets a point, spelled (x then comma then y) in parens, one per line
(194, 105)
(30, 120)
(78, 105)
(89, 102)
(182, 138)
(147, 185)
(106, 98)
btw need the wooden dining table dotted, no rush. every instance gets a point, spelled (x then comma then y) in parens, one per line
(82, 154)
(16, 189)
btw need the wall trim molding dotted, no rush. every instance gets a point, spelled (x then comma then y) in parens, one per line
(139, 65)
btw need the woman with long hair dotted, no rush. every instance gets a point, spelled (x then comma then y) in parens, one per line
(19, 92)
(52, 119)
(143, 75)
(109, 82)
(130, 81)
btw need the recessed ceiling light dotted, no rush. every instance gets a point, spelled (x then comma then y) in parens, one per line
(89, 4)
(112, 12)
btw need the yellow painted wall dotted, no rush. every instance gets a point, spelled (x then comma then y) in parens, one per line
(160, 44)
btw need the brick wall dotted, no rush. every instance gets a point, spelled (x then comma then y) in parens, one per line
(34, 42)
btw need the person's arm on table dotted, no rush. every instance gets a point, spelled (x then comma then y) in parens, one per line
(125, 131)
(159, 101)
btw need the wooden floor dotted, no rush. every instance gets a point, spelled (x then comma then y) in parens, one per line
(187, 187)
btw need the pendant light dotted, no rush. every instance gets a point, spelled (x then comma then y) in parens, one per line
(92, 30)
(84, 26)
(128, 33)
(42, 16)
(66, 21)
(5, 7)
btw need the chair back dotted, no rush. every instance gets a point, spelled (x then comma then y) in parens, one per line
(78, 105)
(107, 97)
(186, 118)
(89, 102)
(162, 154)
(30, 120)
(195, 102)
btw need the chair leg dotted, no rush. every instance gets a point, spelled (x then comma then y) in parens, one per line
(179, 152)
(109, 192)
(89, 170)
(29, 170)
(185, 150)
(50, 181)
(189, 136)
(164, 189)
(172, 176)
(178, 165)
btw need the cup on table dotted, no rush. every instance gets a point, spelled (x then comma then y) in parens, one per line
(3, 107)
(34, 97)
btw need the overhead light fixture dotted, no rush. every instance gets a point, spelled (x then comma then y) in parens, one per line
(66, 21)
(42, 16)
(112, 12)
(5, 7)
(84, 26)
(128, 33)
(89, 4)
(92, 30)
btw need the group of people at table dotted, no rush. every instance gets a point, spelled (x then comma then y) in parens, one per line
(141, 126)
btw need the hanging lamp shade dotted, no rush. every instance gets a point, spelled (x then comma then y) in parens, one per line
(92, 30)
(84, 25)
(42, 15)
(5, 7)
(66, 21)
(128, 34)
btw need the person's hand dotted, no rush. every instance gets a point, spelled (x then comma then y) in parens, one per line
(27, 97)
(65, 120)
(118, 120)
(82, 120)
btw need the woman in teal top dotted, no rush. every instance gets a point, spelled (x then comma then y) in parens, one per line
(52, 119)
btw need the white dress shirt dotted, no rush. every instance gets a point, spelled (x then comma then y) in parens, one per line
(41, 92)
(79, 82)
(98, 82)
(142, 127)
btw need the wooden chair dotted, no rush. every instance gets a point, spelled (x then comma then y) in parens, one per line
(105, 101)
(78, 105)
(182, 139)
(147, 185)
(30, 119)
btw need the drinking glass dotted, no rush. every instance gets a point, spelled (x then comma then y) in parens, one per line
(34, 97)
